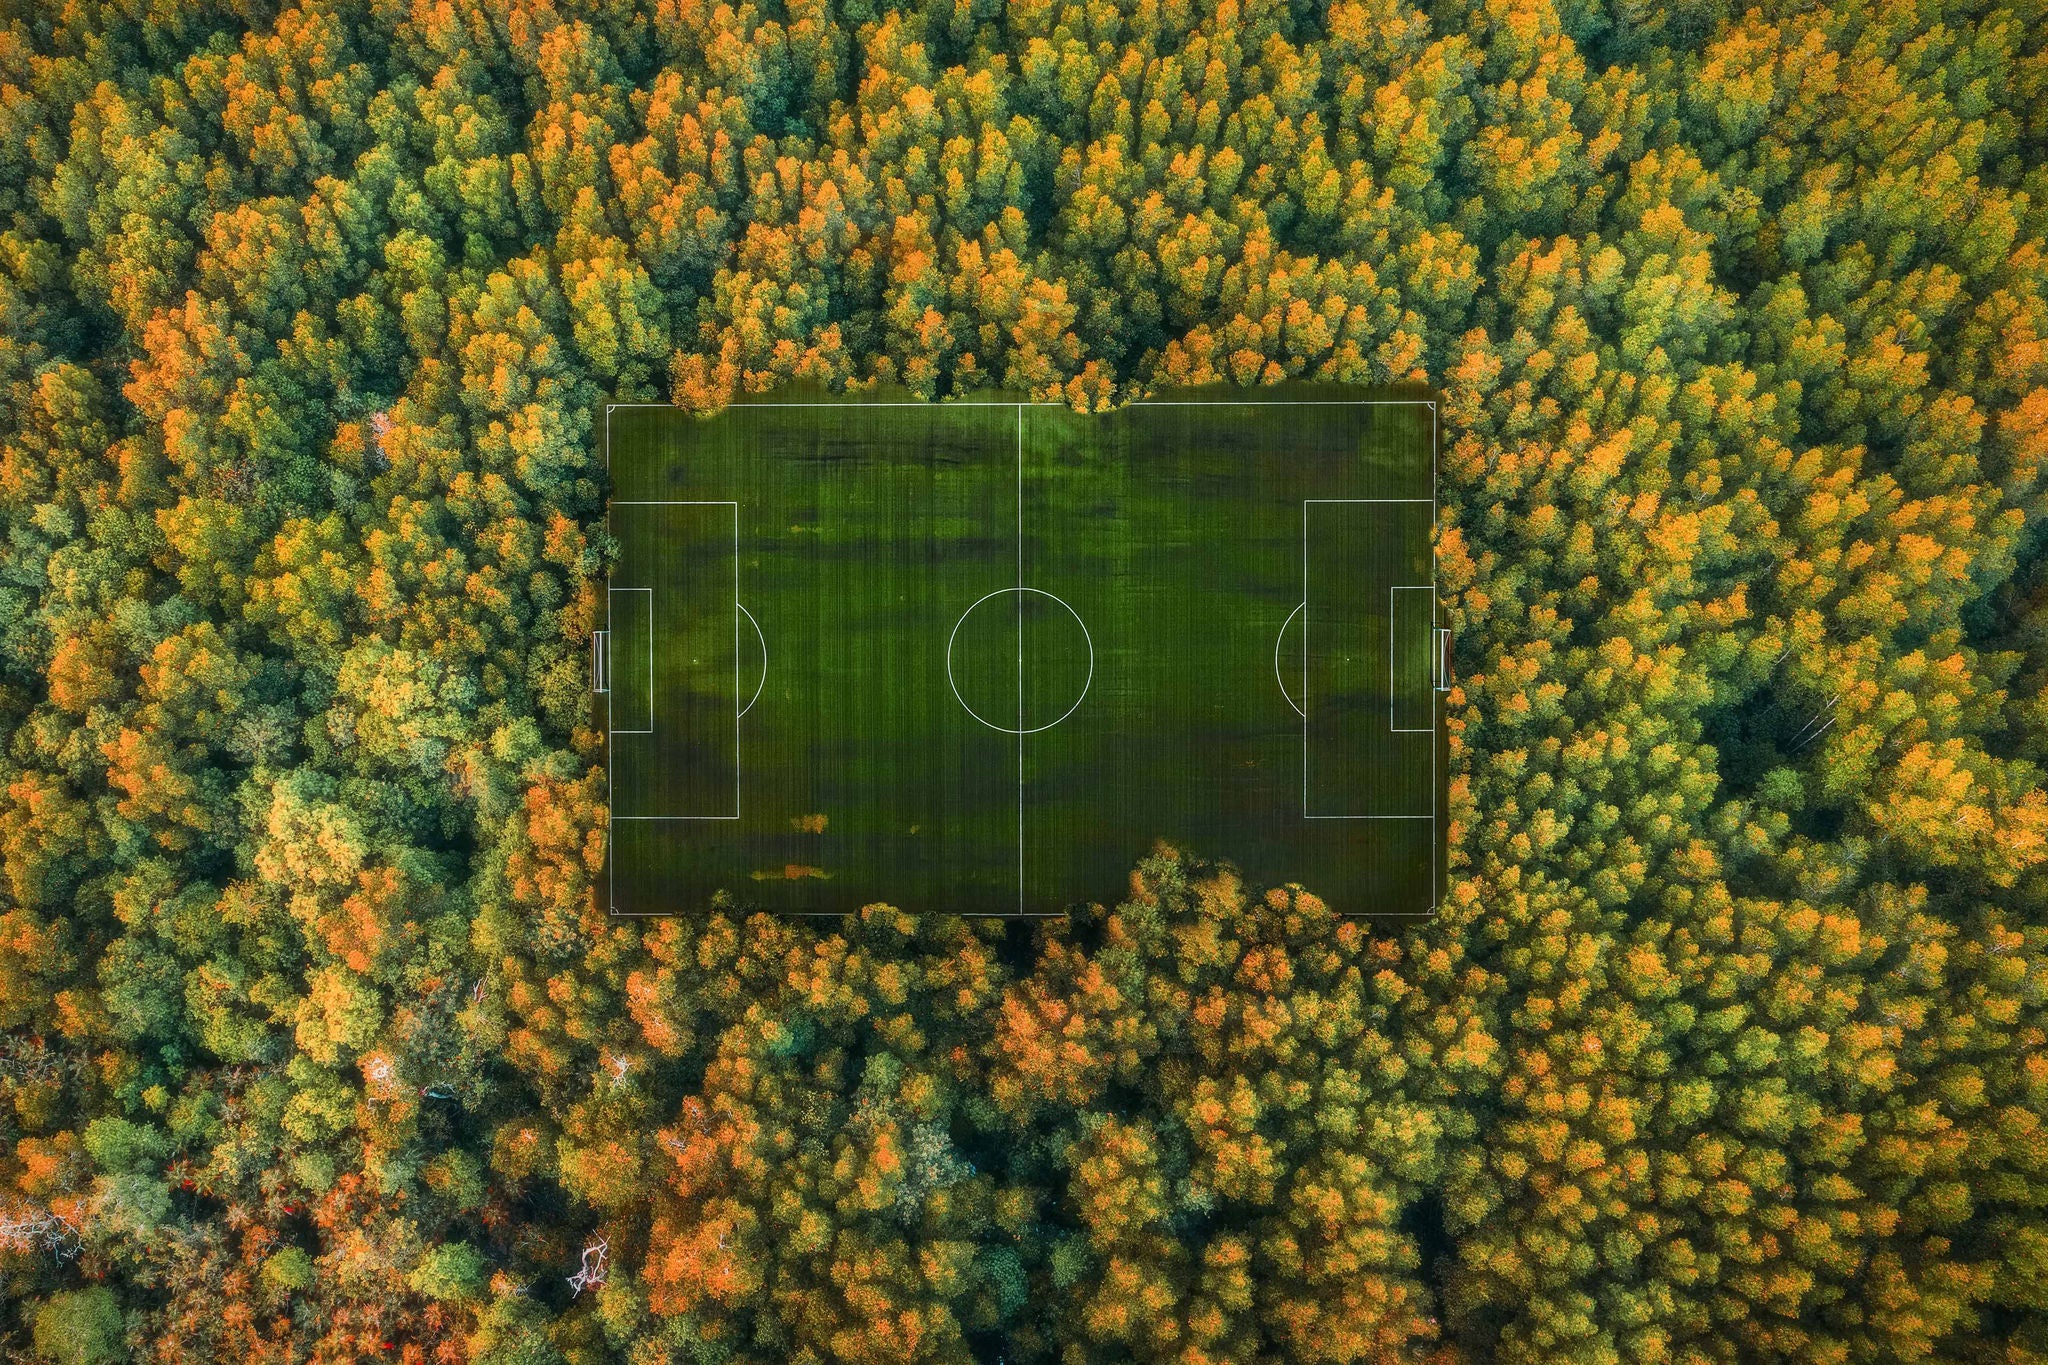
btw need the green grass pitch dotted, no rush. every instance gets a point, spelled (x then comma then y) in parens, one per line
(980, 657)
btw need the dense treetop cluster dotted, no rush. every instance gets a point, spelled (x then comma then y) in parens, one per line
(1730, 1044)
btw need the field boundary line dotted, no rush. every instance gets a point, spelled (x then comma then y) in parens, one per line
(1020, 659)
(604, 639)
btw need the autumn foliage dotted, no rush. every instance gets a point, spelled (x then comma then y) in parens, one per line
(1731, 1042)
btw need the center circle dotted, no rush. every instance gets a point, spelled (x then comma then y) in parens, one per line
(1020, 660)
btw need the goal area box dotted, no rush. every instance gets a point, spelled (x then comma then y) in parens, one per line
(980, 657)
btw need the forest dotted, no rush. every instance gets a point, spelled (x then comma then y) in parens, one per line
(1730, 1043)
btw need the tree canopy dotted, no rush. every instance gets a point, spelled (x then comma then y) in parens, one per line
(1731, 1041)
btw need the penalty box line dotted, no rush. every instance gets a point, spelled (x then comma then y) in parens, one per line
(1306, 503)
(738, 760)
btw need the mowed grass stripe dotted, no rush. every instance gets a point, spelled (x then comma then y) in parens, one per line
(1153, 709)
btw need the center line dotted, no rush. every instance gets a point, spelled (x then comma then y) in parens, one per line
(1020, 658)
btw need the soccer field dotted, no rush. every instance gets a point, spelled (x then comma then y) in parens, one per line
(980, 657)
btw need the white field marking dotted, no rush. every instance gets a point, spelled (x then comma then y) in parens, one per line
(1435, 484)
(940, 404)
(1039, 403)
(1430, 728)
(737, 767)
(841, 914)
(609, 590)
(1020, 659)
(1278, 640)
(1305, 813)
(1435, 892)
(1005, 729)
(764, 661)
(737, 609)
(610, 754)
